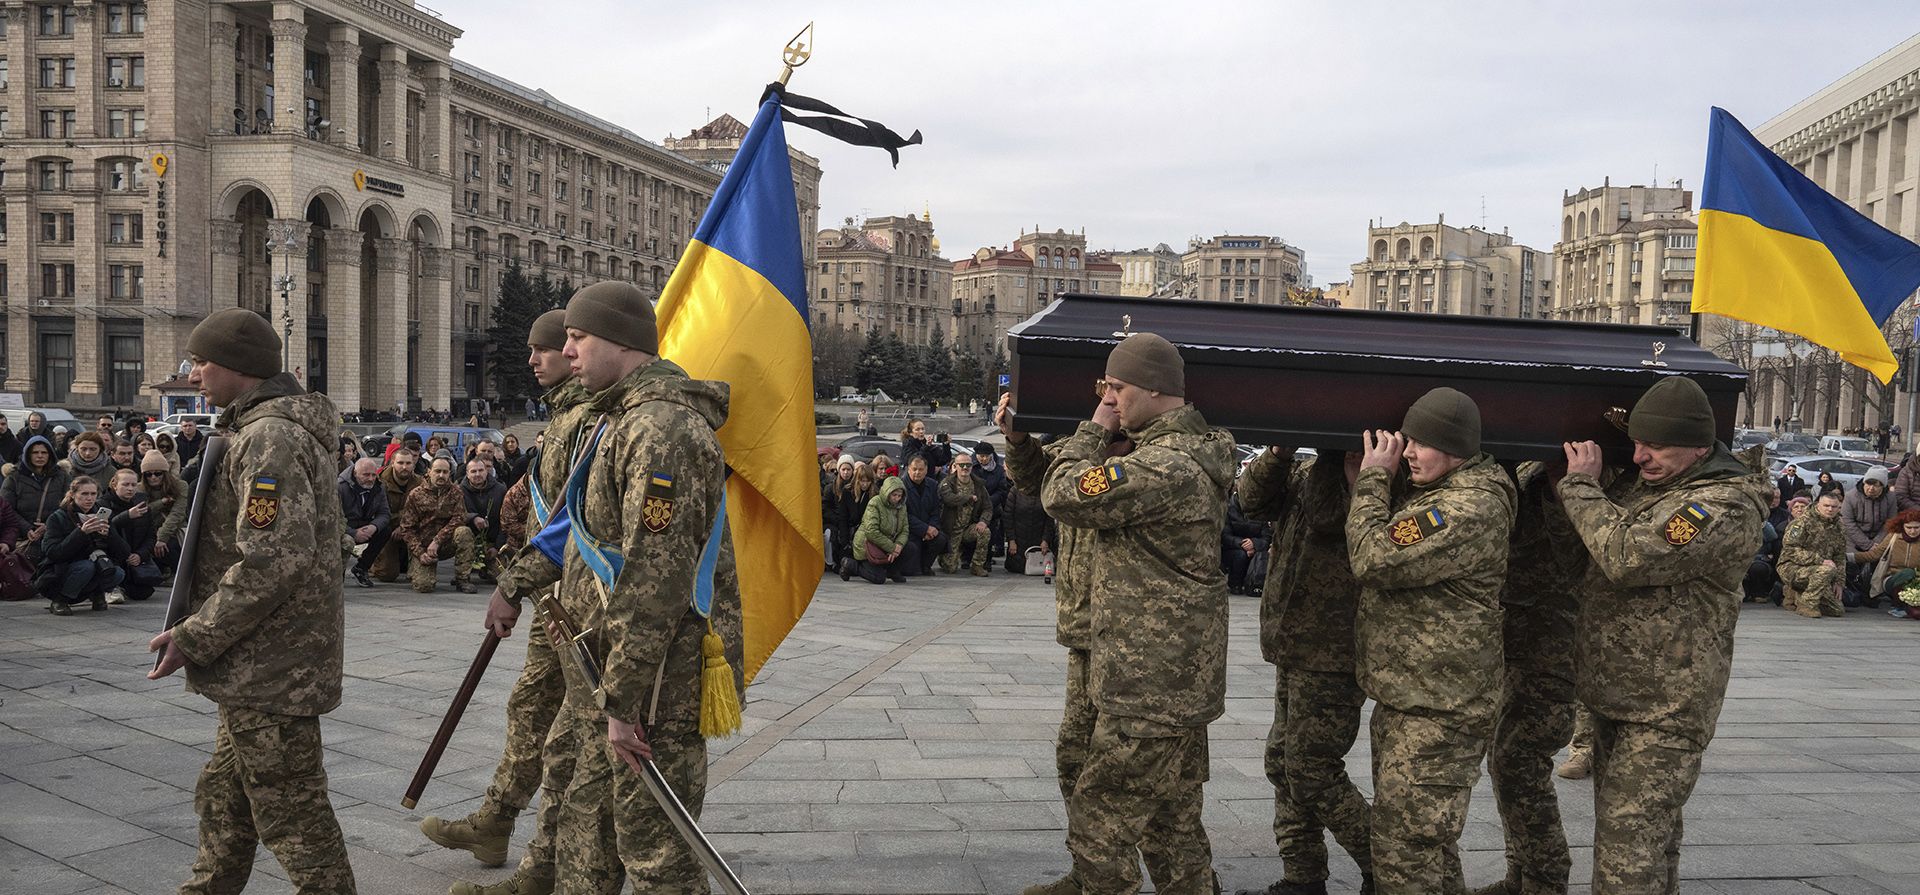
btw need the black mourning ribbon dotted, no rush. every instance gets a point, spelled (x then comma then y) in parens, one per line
(862, 133)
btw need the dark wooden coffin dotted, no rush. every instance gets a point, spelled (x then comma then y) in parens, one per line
(1316, 377)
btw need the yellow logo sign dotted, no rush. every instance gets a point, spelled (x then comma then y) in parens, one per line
(1681, 532)
(1094, 483)
(359, 180)
(261, 511)
(1405, 532)
(655, 513)
(159, 164)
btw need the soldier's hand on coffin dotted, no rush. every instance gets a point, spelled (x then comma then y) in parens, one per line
(1381, 449)
(1583, 458)
(501, 614)
(629, 741)
(1003, 419)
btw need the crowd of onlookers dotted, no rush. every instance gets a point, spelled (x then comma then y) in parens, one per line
(1868, 536)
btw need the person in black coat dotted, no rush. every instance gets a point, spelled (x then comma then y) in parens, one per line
(1027, 525)
(841, 509)
(988, 469)
(484, 494)
(76, 563)
(926, 543)
(1241, 539)
(369, 519)
(913, 439)
(136, 523)
(9, 443)
(1790, 483)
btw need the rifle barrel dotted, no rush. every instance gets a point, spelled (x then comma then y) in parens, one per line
(452, 720)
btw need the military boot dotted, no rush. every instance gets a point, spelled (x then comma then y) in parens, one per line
(1286, 888)
(1804, 609)
(1578, 766)
(482, 832)
(520, 883)
(1066, 885)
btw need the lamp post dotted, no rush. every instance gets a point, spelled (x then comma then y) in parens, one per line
(286, 239)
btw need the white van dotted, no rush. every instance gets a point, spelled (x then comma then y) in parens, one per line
(1848, 446)
(17, 419)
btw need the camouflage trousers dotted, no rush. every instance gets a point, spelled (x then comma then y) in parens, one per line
(265, 784)
(611, 826)
(531, 708)
(557, 757)
(1140, 793)
(423, 574)
(1815, 588)
(1582, 740)
(1316, 718)
(1076, 725)
(982, 551)
(1535, 717)
(1424, 769)
(1642, 777)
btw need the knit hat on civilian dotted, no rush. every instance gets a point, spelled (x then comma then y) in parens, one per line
(1875, 474)
(1145, 360)
(615, 311)
(154, 461)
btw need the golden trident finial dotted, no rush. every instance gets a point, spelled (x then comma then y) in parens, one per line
(798, 51)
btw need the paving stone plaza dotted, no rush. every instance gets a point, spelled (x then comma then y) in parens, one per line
(900, 741)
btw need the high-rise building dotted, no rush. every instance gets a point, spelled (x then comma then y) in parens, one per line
(1625, 255)
(996, 288)
(1147, 272)
(324, 162)
(883, 275)
(1441, 269)
(715, 144)
(1259, 270)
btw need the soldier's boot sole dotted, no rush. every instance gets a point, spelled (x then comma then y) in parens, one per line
(517, 884)
(1066, 885)
(487, 842)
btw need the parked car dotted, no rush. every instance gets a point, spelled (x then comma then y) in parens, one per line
(17, 419)
(1846, 470)
(1746, 438)
(863, 447)
(1848, 446)
(458, 438)
(1793, 445)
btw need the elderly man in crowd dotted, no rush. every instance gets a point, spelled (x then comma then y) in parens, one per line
(369, 518)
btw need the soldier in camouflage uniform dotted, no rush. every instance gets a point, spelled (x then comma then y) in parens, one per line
(1536, 698)
(1306, 631)
(264, 640)
(966, 515)
(535, 700)
(1428, 631)
(1654, 645)
(1813, 560)
(655, 487)
(430, 527)
(1159, 621)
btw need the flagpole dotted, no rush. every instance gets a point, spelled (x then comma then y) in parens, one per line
(796, 54)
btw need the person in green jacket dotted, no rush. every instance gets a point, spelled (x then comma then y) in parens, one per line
(884, 526)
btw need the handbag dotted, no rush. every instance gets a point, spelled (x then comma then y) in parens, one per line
(876, 555)
(1037, 561)
(16, 577)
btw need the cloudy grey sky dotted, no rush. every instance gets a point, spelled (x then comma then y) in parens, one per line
(1156, 122)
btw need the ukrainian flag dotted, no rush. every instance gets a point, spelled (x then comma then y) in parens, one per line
(1778, 251)
(736, 310)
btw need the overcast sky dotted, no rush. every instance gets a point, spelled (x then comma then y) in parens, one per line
(1157, 122)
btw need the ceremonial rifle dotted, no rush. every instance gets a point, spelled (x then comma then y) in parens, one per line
(458, 708)
(677, 813)
(182, 591)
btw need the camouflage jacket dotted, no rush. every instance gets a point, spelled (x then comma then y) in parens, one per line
(1662, 594)
(398, 490)
(1810, 540)
(516, 513)
(962, 508)
(432, 514)
(1027, 464)
(531, 571)
(1428, 631)
(1307, 608)
(653, 491)
(1545, 561)
(1158, 597)
(268, 616)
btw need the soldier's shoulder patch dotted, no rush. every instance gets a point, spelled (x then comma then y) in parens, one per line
(1686, 524)
(656, 509)
(263, 501)
(1414, 529)
(1101, 479)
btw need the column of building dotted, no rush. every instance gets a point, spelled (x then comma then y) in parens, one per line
(346, 356)
(343, 99)
(89, 363)
(86, 69)
(393, 104)
(436, 329)
(289, 68)
(436, 154)
(389, 354)
(220, 36)
(20, 351)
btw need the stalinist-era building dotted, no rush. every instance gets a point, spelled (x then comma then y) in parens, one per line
(1438, 268)
(326, 163)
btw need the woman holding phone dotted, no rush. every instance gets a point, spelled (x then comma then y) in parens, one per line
(80, 544)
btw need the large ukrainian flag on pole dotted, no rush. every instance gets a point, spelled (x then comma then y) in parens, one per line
(736, 310)
(1779, 251)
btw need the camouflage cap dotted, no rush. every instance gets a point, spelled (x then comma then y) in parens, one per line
(238, 339)
(1674, 412)
(549, 330)
(1150, 362)
(1447, 419)
(615, 311)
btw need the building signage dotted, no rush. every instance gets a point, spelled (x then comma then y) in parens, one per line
(1240, 243)
(363, 181)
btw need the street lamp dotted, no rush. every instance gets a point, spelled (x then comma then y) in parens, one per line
(284, 236)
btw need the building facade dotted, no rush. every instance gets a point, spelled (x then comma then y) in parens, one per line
(1440, 269)
(715, 144)
(326, 163)
(1625, 255)
(1259, 270)
(883, 275)
(1856, 139)
(1149, 272)
(997, 288)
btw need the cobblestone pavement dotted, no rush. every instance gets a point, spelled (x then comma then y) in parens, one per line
(900, 741)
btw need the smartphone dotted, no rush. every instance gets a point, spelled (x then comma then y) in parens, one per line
(103, 512)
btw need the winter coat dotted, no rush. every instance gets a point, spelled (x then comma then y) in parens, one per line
(923, 505)
(1026, 522)
(397, 492)
(484, 503)
(9, 447)
(432, 514)
(1863, 520)
(101, 467)
(1906, 485)
(35, 495)
(188, 448)
(1307, 607)
(362, 506)
(1791, 485)
(1240, 528)
(516, 513)
(885, 526)
(139, 531)
(66, 543)
(997, 482)
(12, 527)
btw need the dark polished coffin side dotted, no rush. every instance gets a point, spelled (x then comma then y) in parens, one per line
(1316, 377)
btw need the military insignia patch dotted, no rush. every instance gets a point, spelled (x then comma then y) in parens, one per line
(263, 502)
(1686, 524)
(1414, 529)
(656, 510)
(1101, 479)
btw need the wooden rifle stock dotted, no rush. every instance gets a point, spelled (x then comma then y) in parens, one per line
(459, 707)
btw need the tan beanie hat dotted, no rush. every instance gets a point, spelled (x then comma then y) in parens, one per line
(549, 330)
(239, 340)
(1447, 419)
(1149, 362)
(155, 461)
(615, 311)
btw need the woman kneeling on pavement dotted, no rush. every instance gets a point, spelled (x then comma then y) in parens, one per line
(77, 560)
(881, 540)
(1896, 559)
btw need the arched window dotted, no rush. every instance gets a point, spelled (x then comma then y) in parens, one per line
(1566, 229)
(1073, 260)
(1403, 250)
(1426, 248)
(1582, 229)
(1379, 250)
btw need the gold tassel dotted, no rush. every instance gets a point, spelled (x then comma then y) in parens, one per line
(719, 700)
